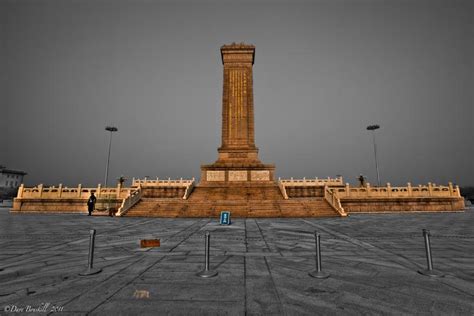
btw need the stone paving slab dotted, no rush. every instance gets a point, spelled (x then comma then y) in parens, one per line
(263, 265)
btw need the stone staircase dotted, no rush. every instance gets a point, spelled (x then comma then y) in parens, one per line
(307, 207)
(262, 200)
(301, 207)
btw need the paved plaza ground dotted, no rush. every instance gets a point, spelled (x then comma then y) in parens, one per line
(263, 265)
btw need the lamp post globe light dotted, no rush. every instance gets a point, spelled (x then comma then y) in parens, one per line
(110, 129)
(373, 128)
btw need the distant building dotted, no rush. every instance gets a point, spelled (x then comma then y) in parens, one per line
(10, 180)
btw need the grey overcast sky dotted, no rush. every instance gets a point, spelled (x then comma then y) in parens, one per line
(323, 71)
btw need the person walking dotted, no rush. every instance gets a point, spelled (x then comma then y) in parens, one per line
(91, 203)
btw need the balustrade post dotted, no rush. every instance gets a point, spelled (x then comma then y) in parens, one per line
(348, 190)
(98, 190)
(119, 188)
(79, 189)
(20, 191)
(450, 184)
(410, 192)
(389, 189)
(430, 188)
(60, 190)
(40, 190)
(458, 193)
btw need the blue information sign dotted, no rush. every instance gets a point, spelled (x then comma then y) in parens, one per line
(225, 218)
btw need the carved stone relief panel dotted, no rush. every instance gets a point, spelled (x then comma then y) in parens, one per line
(238, 175)
(260, 175)
(215, 175)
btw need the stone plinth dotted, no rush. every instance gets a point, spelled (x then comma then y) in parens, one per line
(236, 174)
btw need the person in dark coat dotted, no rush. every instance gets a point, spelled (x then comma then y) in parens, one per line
(361, 180)
(91, 203)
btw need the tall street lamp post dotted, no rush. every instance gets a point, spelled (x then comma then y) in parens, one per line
(373, 128)
(111, 129)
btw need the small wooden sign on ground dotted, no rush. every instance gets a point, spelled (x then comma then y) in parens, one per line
(149, 243)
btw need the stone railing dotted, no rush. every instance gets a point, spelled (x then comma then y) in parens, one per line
(129, 202)
(301, 188)
(312, 182)
(331, 197)
(61, 192)
(162, 187)
(188, 191)
(164, 183)
(430, 190)
(283, 190)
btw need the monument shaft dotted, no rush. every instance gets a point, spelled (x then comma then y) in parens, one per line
(238, 137)
(238, 156)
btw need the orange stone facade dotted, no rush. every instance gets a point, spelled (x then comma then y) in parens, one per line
(238, 160)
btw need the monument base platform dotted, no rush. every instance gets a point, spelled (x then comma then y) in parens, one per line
(285, 198)
(401, 205)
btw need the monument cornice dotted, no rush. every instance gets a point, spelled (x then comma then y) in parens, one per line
(240, 45)
(238, 53)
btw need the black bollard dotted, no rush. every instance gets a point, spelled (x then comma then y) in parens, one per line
(318, 273)
(90, 262)
(207, 273)
(429, 260)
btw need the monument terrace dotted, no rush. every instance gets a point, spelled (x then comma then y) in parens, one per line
(238, 181)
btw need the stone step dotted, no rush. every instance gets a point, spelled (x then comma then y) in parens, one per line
(271, 192)
(314, 207)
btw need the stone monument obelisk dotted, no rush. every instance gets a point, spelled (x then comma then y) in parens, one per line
(238, 160)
